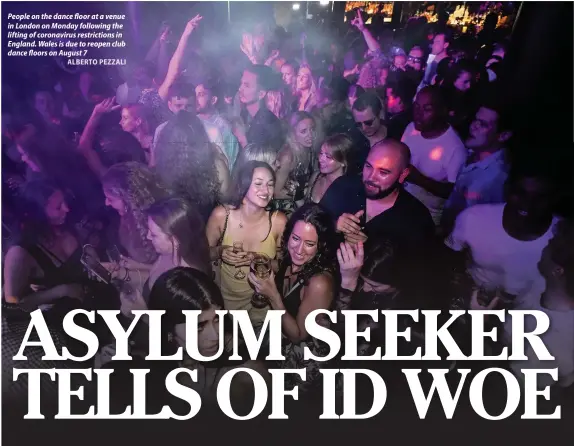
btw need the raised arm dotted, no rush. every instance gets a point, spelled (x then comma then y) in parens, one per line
(164, 55)
(369, 39)
(175, 62)
(153, 52)
(86, 144)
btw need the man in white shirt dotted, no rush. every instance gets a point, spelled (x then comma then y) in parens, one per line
(556, 299)
(505, 241)
(438, 153)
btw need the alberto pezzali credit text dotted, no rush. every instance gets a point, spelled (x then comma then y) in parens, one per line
(75, 37)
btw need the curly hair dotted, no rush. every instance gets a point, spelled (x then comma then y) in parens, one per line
(325, 259)
(185, 161)
(138, 188)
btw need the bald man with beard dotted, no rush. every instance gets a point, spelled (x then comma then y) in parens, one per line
(377, 205)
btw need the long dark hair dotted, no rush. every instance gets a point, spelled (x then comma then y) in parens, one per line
(242, 181)
(182, 289)
(380, 263)
(185, 161)
(325, 259)
(36, 194)
(180, 220)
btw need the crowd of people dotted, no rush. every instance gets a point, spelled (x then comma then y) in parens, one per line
(370, 176)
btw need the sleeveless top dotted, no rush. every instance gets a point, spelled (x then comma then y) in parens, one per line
(309, 196)
(236, 289)
(292, 298)
(69, 271)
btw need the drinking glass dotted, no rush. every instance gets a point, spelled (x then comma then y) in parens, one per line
(238, 247)
(261, 267)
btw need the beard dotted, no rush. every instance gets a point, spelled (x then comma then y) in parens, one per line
(382, 193)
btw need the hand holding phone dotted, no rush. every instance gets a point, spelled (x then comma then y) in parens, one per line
(114, 254)
(95, 267)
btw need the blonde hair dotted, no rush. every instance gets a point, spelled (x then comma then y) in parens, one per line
(313, 90)
(341, 146)
(304, 156)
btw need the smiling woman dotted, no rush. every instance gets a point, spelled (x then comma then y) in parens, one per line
(242, 228)
(305, 282)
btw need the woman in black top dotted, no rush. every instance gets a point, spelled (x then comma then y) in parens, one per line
(44, 265)
(306, 281)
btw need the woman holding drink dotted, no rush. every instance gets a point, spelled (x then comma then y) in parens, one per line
(242, 231)
(306, 281)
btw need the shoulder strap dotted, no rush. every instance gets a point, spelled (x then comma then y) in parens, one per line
(224, 226)
(271, 215)
(42, 258)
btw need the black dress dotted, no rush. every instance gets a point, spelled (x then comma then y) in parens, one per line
(293, 352)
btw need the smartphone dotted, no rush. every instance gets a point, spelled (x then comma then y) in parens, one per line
(114, 254)
(96, 268)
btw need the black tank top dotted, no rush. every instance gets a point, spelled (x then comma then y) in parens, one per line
(292, 298)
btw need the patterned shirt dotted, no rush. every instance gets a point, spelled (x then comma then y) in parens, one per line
(220, 133)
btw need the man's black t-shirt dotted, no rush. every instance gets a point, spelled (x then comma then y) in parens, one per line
(408, 223)
(265, 129)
